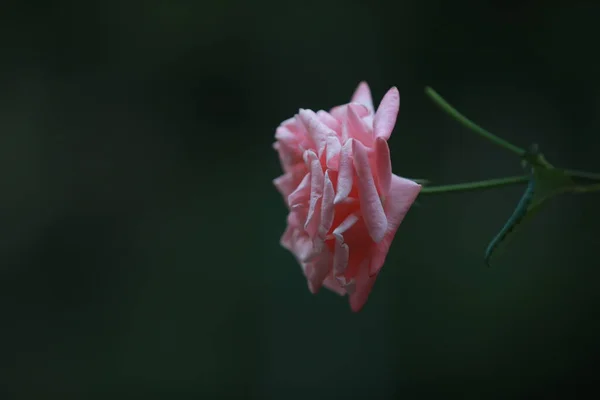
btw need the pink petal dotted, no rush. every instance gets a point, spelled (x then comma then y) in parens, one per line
(329, 120)
(297, 217)
(317, 130)
(287, 237)
(290, 123)
(387, 112)
(356, 127)
(301, 195)
(346, 224)
(341, 254)
(368, 120)
(364, 285)
(350, 287)
(383, 166)
(285, 135)
(285, 184)
(301, 247)
(333, 152)
(346, 174)
(316, 192)
(370, 204)
(362, 95)
(326, 207)
(332, 284)
(340, 112)
(287, 154)
(403, 193)
(317, 271)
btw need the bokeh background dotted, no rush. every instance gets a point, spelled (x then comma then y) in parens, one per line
(139, 228)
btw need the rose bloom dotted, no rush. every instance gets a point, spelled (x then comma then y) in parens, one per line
(345, 204)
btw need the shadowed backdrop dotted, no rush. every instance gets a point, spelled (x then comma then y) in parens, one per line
(139, 227)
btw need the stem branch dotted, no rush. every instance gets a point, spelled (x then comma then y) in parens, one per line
(439, 100)
(582, 174)
(586, 188)
(477, 185)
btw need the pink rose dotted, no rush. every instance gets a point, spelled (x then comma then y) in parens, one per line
(345, 204)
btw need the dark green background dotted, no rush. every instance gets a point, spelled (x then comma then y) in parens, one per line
(139, 228)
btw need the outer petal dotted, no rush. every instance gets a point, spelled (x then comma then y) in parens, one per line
(370, 204)
(403, 193)
(301, 246)
(356, 126)
(316, 192)
(329, 120)
(332, 284)
(326, 207)
(346, 174)
(287, 238)
(344, 226)
(285, 184)
(341, 253)
(288, 155)
(339, 112)
(387, 112)
(383, 165)
(362, 95)
(317, 271)
(317, 130)
(364, 285)
(285, 137)
(332, 151)
(301, 195)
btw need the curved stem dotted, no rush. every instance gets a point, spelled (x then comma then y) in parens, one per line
(582, 174)
(477, 185)
(586, 188)
(471, 125)
(419, 181)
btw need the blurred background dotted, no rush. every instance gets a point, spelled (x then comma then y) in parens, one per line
(139, 228)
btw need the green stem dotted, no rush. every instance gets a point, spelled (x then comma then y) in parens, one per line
(586, 188)
(471, 125)
(470, 186)
(419, 181)
(582, 174)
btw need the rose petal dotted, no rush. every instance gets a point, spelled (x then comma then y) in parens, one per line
(327, 210)
(332, 284)
(329, 120)
(317, 130)
(301, 195)
(346, 224)
(364, 285)
(291, 124)
(383, 165)
(283, 134)
(302, 247)
(356, 127)
(362, 95)
(318, 271)
(284, 184)
(316, 192)
(340, 112)
(403, 193)
(341, 252)
(286, 238)
(333, 152)
(387, 112)
(370, 204)
(346, 174)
